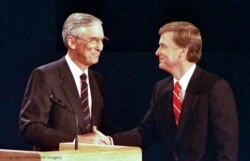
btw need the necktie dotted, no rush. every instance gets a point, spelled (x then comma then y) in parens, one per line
(84, 103)
(177, 101)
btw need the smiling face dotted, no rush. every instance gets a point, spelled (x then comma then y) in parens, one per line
(86, 48)
(169, 53)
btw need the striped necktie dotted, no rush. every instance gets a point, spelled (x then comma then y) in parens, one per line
(84, 103)
(177, 102)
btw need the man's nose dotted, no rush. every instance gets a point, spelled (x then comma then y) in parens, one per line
(157, 52)
(99, 46)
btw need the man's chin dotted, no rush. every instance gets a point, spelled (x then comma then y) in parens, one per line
(162, 67)
(95, 61)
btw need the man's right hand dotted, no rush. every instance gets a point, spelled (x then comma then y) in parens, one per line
(96, 137)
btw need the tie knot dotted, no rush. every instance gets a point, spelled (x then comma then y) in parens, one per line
(83, 76)
(177, 85)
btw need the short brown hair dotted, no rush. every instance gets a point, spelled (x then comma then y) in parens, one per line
(185, 34)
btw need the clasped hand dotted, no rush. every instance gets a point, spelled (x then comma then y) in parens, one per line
(96, 137)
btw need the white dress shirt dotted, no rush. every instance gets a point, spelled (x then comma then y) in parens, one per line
(185, 80)
(77, 72)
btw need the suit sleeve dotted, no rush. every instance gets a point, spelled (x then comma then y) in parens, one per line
(224, 121)
(143, 135)
(34, 114)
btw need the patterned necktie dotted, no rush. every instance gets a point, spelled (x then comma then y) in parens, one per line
(85, 103)
(177, 101)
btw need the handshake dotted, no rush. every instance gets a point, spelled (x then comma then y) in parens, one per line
(96, 137)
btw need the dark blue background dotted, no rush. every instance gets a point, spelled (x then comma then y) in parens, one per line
(31, 36)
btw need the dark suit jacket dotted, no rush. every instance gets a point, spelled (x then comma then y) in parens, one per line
(51, 106)
(208, 128)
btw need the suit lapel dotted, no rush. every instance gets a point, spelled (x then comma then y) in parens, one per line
(97, 101)
(70, 91)
(166, 109)
(189, 103)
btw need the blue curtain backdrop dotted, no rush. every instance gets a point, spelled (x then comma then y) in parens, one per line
(31, 36)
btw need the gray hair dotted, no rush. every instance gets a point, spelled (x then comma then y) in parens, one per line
(76, 21)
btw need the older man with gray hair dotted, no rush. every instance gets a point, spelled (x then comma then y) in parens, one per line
(64, 99)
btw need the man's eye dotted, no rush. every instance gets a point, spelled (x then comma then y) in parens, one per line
(163, 46)
(94, 40)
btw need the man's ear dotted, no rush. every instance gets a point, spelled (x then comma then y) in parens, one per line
(183, 52)
(71, 42)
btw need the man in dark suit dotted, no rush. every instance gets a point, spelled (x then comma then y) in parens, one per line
(193, 112)
(51, 110)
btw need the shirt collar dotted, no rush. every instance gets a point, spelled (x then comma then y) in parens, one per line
(186, 78)
(76, 71)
